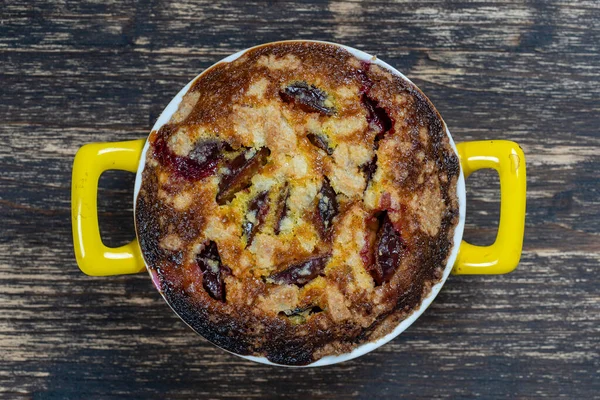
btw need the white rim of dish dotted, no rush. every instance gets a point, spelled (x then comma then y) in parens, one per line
(458, 232)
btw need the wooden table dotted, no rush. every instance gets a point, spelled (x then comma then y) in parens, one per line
(83, 72)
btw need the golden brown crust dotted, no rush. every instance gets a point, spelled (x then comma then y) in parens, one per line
(333, 160)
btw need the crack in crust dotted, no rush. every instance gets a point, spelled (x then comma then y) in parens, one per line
(389, 156)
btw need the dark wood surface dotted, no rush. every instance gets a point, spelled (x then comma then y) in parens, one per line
(79, 72)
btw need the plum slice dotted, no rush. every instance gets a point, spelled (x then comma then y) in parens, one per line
(282, 208)
(257, 212)
(299, 315)
(389, 248)
(307, 97)
(240, 172)
(377, 117)
(200, 163)
(369, 168)
(301, 273)
(212, 269)
(206, 151)
(327, 206)
(320, 141)
(302, 310)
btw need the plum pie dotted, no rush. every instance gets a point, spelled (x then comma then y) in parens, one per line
(300, 202)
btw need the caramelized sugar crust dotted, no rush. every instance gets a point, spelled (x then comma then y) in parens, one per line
(299, 203)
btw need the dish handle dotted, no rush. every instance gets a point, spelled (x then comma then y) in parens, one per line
(93, 257)
(508, 159)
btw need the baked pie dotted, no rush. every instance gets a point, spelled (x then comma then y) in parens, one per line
(299, 203)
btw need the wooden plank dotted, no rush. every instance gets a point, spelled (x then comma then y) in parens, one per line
(78, 72)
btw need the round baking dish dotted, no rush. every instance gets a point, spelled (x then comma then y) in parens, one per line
(505, 157)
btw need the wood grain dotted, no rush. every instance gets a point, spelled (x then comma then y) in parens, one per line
(79, 72)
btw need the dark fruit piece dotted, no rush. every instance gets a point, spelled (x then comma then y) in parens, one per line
(366, 82)
(201, 162)
(241, 170)
(307, 97)
(257, 212)
(209, 262)
(389, 248)
(299, 315)
(320, 141)
(301, 273)
(282, 208)
(377, 117)
(369, 168)
(206, 150)
(327, 206)
(302, 310)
